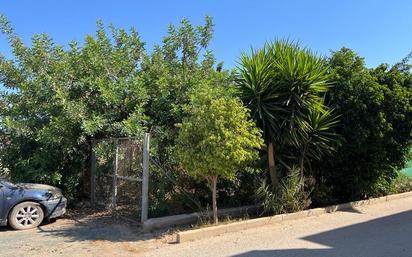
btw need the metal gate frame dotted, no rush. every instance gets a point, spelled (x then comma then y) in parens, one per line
(144, 180)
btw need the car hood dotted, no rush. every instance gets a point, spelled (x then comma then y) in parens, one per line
(30, 186)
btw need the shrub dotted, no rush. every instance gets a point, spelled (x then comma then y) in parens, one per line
(402, 184)
(290, 196)
(375, 108)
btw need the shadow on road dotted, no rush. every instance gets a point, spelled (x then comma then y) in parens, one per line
(382, 237)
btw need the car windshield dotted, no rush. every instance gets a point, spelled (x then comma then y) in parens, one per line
(6, 182)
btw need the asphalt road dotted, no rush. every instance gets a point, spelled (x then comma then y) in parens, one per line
(381, 230)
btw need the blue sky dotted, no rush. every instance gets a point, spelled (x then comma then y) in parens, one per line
(380, 31)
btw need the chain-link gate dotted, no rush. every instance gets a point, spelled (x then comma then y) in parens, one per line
(119, 175)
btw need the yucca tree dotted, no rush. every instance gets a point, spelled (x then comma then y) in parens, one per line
(316, 138)
(257, 91)
(282, 84)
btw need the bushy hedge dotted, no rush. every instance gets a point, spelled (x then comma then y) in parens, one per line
(375, 107)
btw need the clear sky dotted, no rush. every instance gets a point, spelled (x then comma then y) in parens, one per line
(380, 31)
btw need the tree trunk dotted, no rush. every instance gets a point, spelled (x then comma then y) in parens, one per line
(214, 203)
(301, 165)
(272, 166)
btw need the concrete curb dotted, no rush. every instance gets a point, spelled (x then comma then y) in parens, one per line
(183, 219)
(202, 233)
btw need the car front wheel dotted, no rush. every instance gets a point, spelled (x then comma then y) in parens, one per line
(26, 215)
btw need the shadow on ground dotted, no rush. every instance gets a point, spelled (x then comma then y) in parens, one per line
(103, 229)
(383, 237)
(87, 225)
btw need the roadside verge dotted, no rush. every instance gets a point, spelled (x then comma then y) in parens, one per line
(190, 235)
(184, 219)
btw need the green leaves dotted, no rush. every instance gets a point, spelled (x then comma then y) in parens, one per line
(279, 82)
(376, 124)
(56, 100)
(218, 137)
(284, 85)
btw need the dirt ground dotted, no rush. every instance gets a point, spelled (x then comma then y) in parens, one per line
(86, 234)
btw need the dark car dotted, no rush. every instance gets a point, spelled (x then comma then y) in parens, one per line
(25, 206)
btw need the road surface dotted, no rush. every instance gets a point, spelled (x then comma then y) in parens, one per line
(381, 230)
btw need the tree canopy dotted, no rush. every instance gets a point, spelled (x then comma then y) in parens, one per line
(375, 107)
(57, 99)
(217, 138)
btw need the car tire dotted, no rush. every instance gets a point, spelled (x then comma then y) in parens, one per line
(26, 215)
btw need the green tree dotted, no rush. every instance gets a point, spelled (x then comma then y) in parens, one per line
(171, 72)
(375, 123)
(217, 138)
(57, 99)
(283, 85)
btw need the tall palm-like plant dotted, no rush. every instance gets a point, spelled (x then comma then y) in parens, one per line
(281, 83)
(258, 93)
(316, 138)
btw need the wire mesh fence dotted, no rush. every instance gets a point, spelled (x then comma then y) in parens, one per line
(117, 168)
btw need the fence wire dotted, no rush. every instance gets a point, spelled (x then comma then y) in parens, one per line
(117, 174)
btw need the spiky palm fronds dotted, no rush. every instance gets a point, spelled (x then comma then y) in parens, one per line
(283, 84)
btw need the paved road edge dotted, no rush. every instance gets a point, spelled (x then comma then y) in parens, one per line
(191, 235)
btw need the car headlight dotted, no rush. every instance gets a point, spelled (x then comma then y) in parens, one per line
(51, 195)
